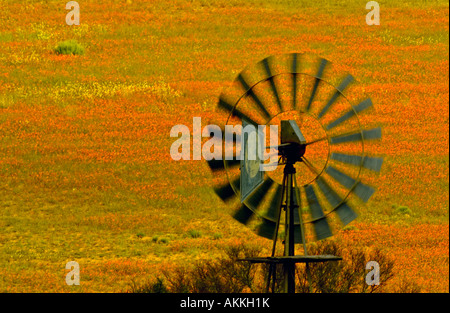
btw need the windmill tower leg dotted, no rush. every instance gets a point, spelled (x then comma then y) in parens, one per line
(289, 192)
(289, 247)
(289, 244)
(302, 231)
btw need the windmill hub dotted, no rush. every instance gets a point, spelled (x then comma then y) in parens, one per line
(295, 152)
(292, 152)
(293, 143)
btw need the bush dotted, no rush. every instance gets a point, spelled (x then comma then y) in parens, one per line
(164, 240)
(346, 276)
(224, 275)
(350, 228)
(194, 233)
(152, 287)
(158, 287)
(402, 210)
(69, 47)
(229, 275)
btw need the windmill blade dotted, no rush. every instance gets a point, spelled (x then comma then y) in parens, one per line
(254, 200)
(298, 234)
(255, 98)
(344, 211)
(268, 69)
(356, 109)
(320, 223)
(225, 191)
(295, 191)
(322, 228)
(235, 139)
(243, 214)
(294, 66)
(223, 104)
(219, 165)
(295, 62)
(275, 203)
(370, 134)
(267, 229)
(347, 80)
(364, 192)
(323, 64)
(332, 197)
(371, 163)
(313, 203)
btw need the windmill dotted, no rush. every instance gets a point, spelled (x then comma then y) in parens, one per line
(323, 155)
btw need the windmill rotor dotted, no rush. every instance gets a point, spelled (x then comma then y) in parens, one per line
(322, 154)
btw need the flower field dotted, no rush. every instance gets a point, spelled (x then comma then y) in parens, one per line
(85, 168)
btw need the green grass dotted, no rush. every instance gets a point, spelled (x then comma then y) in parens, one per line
(69, 47)
(194, 233)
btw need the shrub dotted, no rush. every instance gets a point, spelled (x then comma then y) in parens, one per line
(152, 287)
(350, 228)
(229, 275)
(343, 276)
(69, 47)
(158, 287)
(194, 233)
(224, 275)
(402, 210)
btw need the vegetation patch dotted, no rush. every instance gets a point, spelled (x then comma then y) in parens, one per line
(402, 210)
(69, 47)
(230, 275)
